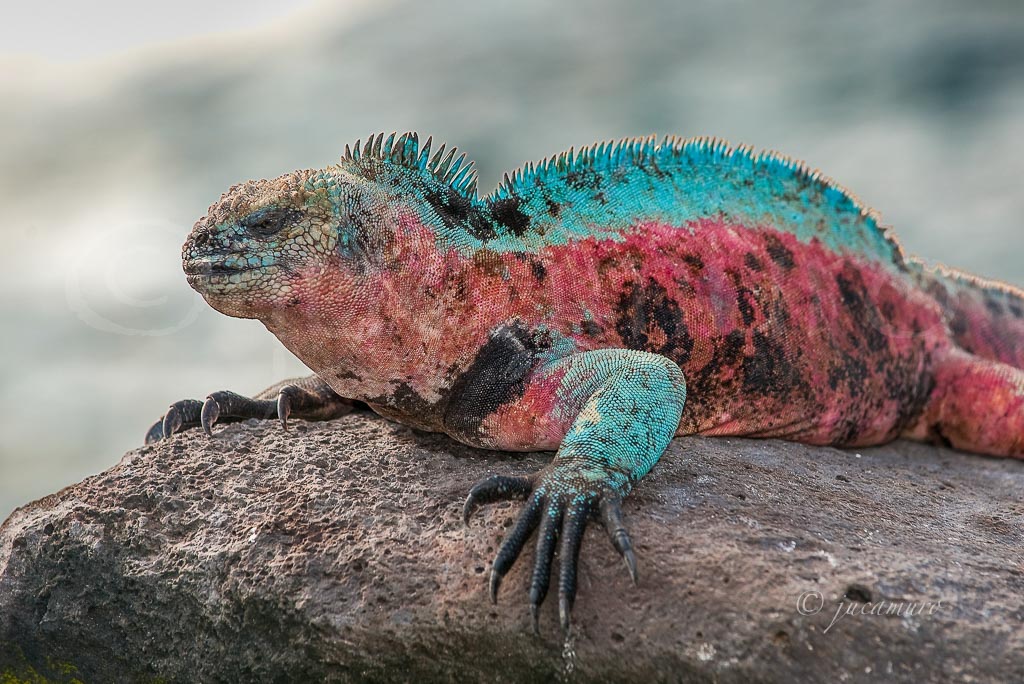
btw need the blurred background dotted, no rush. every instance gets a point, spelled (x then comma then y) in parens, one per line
(120, 122)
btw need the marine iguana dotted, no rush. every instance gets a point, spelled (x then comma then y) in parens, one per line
(597, 304)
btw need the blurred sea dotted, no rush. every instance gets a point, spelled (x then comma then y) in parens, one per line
(107, 156)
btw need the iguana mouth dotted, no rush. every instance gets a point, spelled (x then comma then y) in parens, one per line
(204, 275)
(220, 277)
(202, 267)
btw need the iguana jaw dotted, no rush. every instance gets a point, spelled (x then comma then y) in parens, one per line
(212, 276)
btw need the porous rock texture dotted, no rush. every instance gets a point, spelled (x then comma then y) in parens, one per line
(336, 551)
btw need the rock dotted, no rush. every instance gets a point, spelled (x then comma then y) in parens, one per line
(336, 551)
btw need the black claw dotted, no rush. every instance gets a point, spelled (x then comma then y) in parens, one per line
(547, 539)
(494, 584)
(155, 432)
(535, 616)
(569, 552)
(513, 544)
(172, 422)
(209, 415)
(611, 516)
(284, 408)
(180, 415)
(630, 559)
(495, 488)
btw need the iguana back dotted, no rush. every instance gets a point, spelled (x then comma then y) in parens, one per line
(606, 188)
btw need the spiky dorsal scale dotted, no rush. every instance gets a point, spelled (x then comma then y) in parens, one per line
(635, 180)
(405, 151)
(424, 157)
(606, 187)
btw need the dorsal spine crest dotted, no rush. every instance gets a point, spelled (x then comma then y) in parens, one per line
(405, 151)
(672, 150)
(669, 164)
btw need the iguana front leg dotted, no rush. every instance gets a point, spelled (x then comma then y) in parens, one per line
(618, 409)
(309, 398)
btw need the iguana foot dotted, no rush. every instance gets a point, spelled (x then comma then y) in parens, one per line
(560, 499)
(309, 398)
(223, 407)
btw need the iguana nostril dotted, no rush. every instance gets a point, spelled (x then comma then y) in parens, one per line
(201, 238)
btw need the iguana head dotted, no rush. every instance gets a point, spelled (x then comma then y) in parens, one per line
(270, 245)
(266, 244)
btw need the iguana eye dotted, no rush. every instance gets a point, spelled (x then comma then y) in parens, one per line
(267, 222)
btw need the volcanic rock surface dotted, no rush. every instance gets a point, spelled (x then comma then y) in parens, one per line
(336, 551)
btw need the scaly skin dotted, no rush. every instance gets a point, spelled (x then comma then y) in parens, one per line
(599, 304)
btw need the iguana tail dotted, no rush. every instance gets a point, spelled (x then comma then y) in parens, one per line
(985, 317)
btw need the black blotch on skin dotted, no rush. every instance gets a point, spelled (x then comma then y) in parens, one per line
(456, 210)
(958, 326)
(994, 306)
(705, 387)
(407, 400)
(864, 316)
(406, 405)
(695, 263)
(850, 430)
(583, 179)
(496, 376)
(480, 227)
(554, 208)
(685, 288)
(538, 270)
(642, 308)
(778, 252)
(915, 400)
(731, 348)
(851, 372)
(452, 208)
(347, 375)
(768, 370)
(938, 293)
(743, 299)
(752, 262)
(508, 212)
(591, 328)
(655, 170)
(611, 262)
